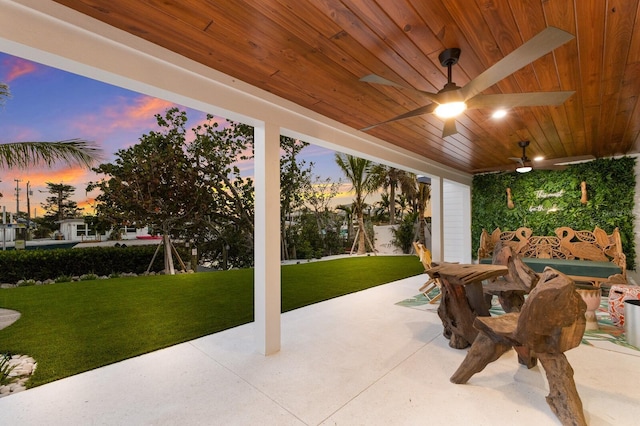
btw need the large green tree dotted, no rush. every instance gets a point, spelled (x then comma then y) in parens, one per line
(360, 173)
(223, 228)
(152, 183)
(295, 175)
(317, 194)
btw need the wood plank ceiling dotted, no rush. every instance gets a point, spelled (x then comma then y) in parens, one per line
(313, 52)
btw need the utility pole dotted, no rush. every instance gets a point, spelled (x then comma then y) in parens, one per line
(28, 209)
(17, 197)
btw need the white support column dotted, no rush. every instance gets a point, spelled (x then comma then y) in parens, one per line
(456, 222)
(437, 211)
(267, 238)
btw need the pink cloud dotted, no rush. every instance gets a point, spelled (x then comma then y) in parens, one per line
(122, 123)
(20, 134)
(17, 67)
(121, 116)
(145, 107)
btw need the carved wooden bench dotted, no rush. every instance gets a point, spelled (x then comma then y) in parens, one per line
(551, 322)
(585, 256)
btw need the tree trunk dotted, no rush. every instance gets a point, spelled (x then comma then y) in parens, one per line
(392, 203)
(320, 226)
(284, 250)
(168, 256)
(362, 248)
(421, 225)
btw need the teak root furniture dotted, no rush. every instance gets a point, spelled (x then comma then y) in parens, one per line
(551, 322)
(512, 287)
(462, 298)
(585, 256)
(424, 255)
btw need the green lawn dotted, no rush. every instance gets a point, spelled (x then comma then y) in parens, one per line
(69, 328)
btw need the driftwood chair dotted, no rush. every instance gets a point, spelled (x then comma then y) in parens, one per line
(512, 287)
(425, 257)
(551, 322)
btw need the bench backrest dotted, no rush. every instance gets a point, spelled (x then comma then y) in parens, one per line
(593, 245)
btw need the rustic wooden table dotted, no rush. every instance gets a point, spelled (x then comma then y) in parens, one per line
(462, 298)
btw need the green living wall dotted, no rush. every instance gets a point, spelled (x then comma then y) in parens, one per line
(544, 200)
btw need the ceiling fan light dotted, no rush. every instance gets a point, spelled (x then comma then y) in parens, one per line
(450, 109)
(500, 113)
(524, 169)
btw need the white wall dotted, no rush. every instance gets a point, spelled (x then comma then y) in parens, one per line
(383, 240)
(456, 222)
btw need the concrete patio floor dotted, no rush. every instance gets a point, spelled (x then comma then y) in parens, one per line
(359, 359)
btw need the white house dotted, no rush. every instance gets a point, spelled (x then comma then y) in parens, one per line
(78, 230)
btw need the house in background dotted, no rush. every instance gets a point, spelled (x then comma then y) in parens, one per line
(79, 230)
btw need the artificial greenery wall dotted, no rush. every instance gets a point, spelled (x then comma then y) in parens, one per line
(544, 200)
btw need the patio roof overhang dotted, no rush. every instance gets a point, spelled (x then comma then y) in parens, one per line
(54, 35)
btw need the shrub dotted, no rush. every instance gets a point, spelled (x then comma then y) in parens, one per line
(41, 265)
(88, 277)
(405, 233)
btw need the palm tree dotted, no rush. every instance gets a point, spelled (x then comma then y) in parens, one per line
(393, 179)
(424, 196)
(24, 154)
(363, 181)
(4, 92)
(348, 212)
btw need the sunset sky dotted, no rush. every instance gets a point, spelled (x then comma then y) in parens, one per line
(47, 104)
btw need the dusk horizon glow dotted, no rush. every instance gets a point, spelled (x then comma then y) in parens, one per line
(48, 104)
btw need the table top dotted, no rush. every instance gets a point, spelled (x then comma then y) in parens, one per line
(463, 274)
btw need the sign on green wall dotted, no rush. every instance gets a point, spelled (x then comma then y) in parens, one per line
(583, 196)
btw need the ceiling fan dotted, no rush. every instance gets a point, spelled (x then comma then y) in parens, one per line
(452, 100)
(524, 164)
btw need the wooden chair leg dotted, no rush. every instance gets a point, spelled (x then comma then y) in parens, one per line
(563, 396)
(483, 351)
(526, 357)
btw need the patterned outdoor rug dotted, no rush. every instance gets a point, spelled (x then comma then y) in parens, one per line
(607, 337)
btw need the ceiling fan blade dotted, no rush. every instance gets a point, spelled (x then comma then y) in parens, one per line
(550, 167)
(550, 164)
(449, 127)
(511, 100)
(564, 161)
(541, 44)
(500, 168)
(427, 109)
(376, 79)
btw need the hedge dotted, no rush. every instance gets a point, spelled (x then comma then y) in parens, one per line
(40, 265)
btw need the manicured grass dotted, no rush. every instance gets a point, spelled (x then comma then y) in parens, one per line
(69, 328)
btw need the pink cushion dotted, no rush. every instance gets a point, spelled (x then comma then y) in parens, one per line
(617, 295)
